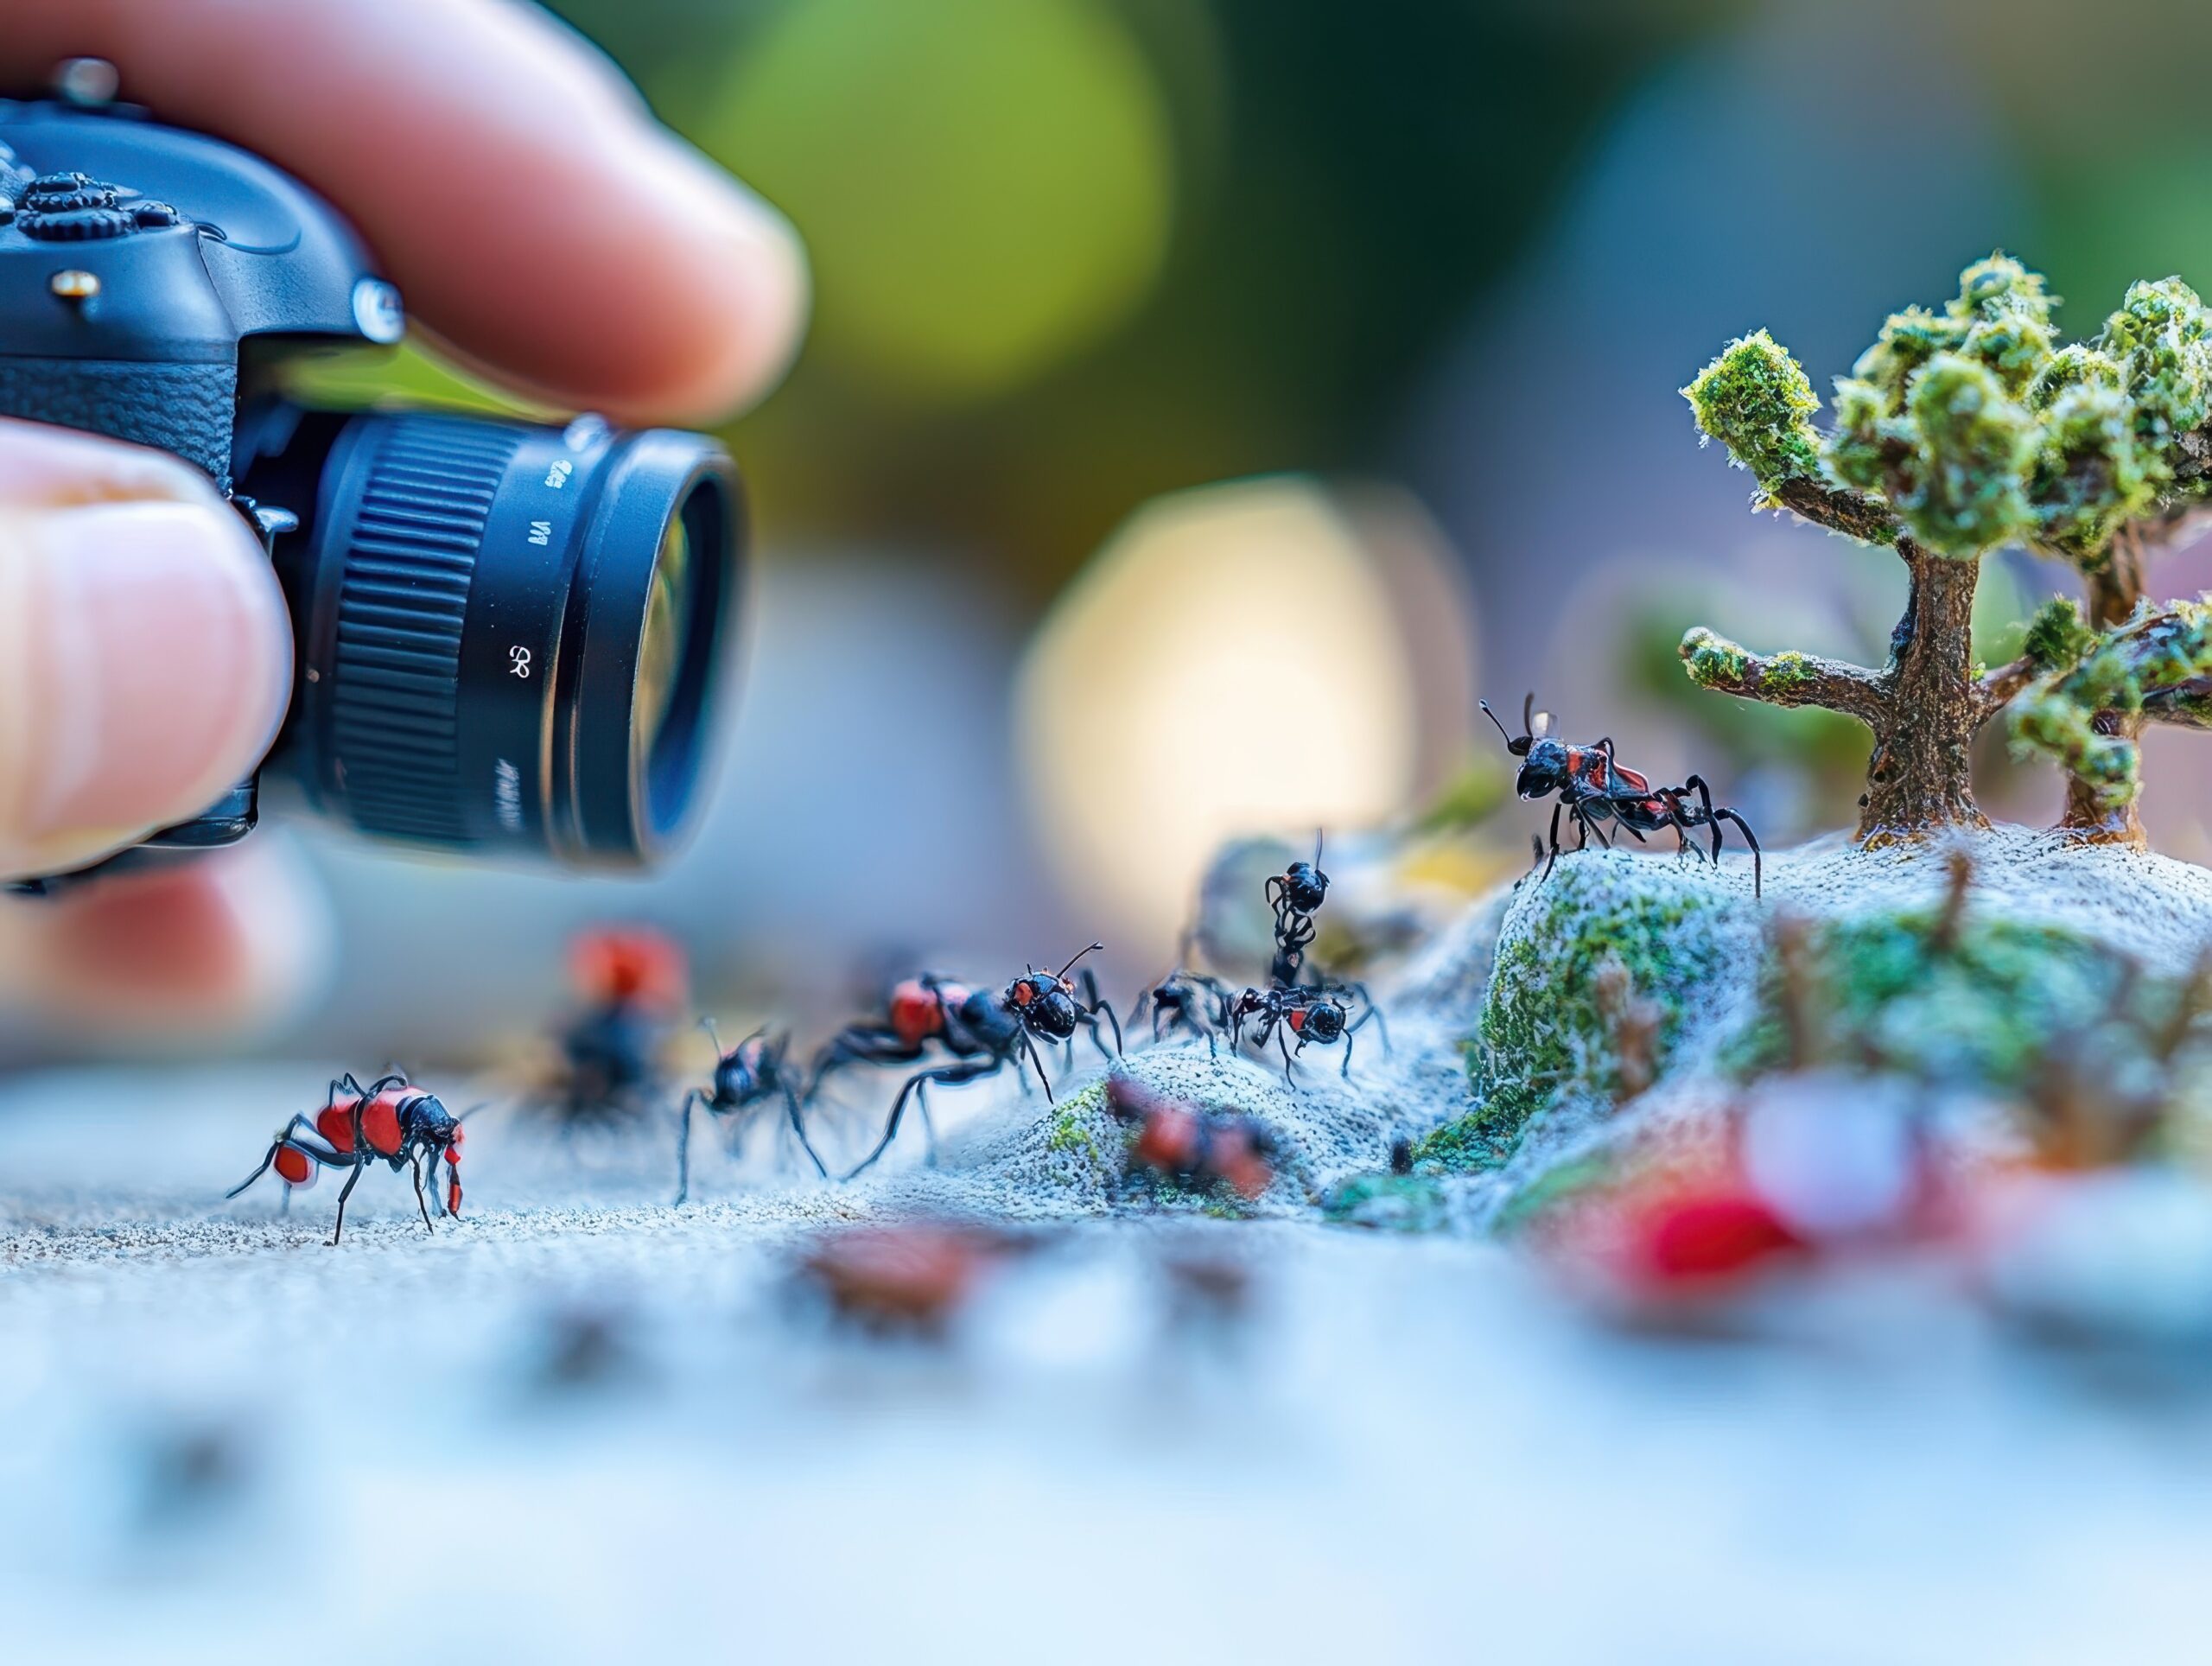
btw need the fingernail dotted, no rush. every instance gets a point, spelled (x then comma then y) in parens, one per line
(147, 663)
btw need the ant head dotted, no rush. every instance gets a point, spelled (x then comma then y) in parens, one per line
(1325, 1021)
(1534, 725)
(1547, 770)
(1049, 1010)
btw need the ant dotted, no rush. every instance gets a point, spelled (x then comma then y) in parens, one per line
(1185, 1000)
(1197, 1148)
(1314, 1013)
(984, 1033)
(749, 1073)
(390, 1119)
(629, 981)
(1592, 789)
(1296, 895)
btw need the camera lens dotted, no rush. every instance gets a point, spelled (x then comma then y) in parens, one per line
(509, 636)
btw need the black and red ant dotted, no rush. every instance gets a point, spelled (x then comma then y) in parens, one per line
(390, 1118)
(1314, 1013)
(1195, 1148)
(749, 1074)
(984, 1033)
(1296, 895)
(632, 981)
(1592, 789)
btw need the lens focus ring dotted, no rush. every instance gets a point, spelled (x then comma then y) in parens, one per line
(411, 551)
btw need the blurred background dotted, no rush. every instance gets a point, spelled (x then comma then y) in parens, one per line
(1206, 398)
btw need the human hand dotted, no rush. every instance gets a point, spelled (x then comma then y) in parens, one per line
(542, 227)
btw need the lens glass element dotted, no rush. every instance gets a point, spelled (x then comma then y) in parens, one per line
(667, 629)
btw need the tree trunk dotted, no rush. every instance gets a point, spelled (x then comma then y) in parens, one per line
(1918, 781)
(2113, 593)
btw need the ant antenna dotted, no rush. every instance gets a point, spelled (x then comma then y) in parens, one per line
(1317, 846)
(1079, 955)
(472, 1110)
(1529, 714)
(1492, 715)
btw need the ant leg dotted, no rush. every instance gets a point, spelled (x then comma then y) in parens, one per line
(318, 1151)
(415, 1166)
(1696, 783)
(1552, 861)
(1038, 1060)
(798, 1127)
(683, 1146)
(945, 1075)
(338, 1231)
(1285, 1046)
(1345, 1068)
(1372, 1015)
(1100, 1004)
(929, 1127)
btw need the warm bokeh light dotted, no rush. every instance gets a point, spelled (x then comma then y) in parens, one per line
(1005, 199)
(1235, 658)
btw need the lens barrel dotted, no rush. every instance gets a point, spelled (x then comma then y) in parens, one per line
(509, 636)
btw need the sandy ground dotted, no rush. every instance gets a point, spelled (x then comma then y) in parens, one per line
(228, 1442)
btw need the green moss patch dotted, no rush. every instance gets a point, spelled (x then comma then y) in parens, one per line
(1542, 1037)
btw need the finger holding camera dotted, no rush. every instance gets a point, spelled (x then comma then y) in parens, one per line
(540, 225)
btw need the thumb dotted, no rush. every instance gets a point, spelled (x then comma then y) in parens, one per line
(145, 653)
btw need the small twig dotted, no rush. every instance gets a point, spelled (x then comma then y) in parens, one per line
(1958, 869)
(1793, 954)
(1633, 1024)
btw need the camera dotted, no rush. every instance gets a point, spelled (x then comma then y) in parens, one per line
(509, 636)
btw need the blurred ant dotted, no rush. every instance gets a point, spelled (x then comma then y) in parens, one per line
(1186, 1001)
(1314, 1013)
(984, 1033)
(631, 981)
(1593, 789)
(1192, 1148)
(913, 1277)
(747, 1075)
(1296, 895)
(390, 1119)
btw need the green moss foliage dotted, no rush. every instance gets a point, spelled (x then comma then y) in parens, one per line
(2057, 716)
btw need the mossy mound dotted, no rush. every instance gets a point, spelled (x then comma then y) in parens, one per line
(1543, 1038)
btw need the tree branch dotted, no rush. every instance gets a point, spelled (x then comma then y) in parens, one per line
(1852, 513)
(1783, 679)
(1997, 686)
(2185, 705)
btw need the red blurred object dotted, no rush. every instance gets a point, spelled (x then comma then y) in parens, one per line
(912, 1277)
(1695, 1237)
(629, 965)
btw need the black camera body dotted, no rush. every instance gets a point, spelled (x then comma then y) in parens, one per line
(509, 636)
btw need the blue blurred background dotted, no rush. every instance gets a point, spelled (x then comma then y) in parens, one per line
(1206, 398)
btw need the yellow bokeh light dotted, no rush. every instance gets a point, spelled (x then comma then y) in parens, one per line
(1230, 661)
(984, 184)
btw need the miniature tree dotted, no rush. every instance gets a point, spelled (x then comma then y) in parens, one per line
(1957, 433)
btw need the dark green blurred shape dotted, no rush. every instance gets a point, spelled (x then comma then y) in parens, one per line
(1335, 188)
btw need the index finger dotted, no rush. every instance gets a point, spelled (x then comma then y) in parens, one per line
(509, 179)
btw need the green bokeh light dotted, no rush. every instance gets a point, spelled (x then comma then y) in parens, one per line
(985, 186)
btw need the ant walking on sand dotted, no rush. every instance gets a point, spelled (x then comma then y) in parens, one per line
(1314, 1013)
(1593, 789)
(390, 1119)
(984, 1033)
(748, 1075)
